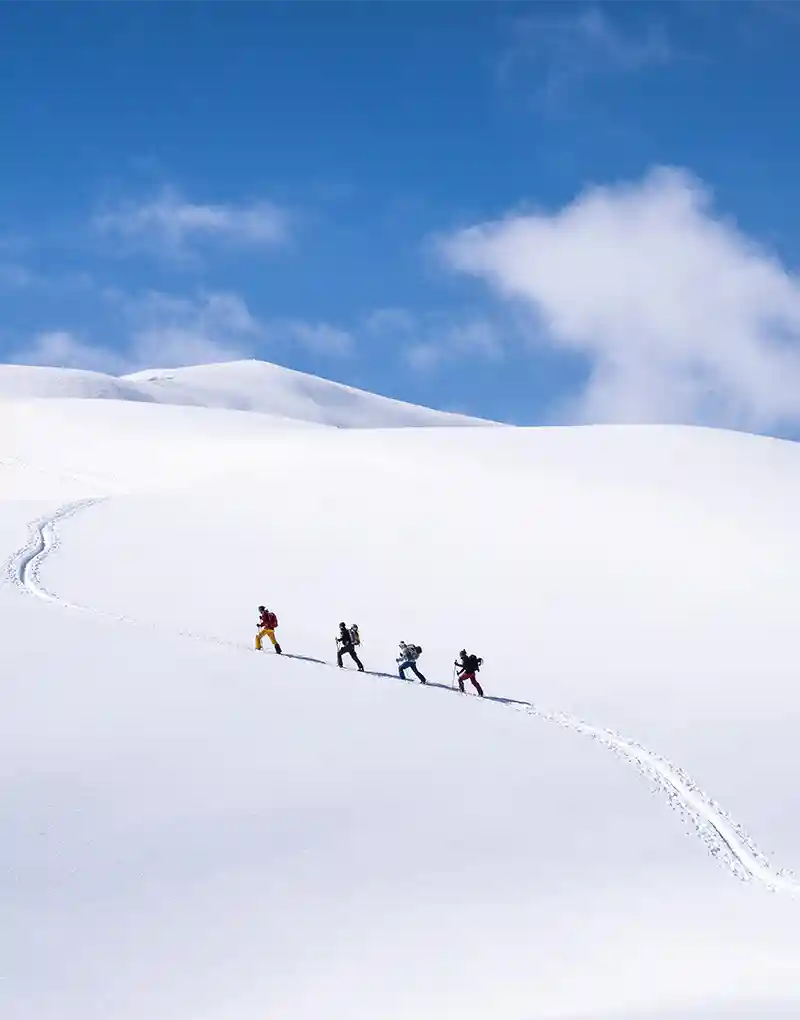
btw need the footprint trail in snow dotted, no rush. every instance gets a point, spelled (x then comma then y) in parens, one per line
(724, 838)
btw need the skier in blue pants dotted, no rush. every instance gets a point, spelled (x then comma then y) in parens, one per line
(408, 660)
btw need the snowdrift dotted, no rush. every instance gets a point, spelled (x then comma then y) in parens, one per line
(196, 831)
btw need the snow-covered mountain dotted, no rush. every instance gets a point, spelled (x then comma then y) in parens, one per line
(238, 385)
(195, 831)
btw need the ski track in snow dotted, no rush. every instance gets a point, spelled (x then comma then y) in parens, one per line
(725, 840)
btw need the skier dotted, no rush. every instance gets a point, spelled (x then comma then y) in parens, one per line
(468, 666)
(408, 660)
(348, 639)
(267, 622)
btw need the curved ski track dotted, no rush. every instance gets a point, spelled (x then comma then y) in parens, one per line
(725, 840)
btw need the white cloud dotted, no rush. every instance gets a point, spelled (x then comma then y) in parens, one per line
(424, 357)
(170, 226)
(167, 331)
(161, 331)
(477, 337)
(430, 339)
(223, 326)
(680, 315)
(63, 349)
(208, 313)
(387, 321)
(317, 337)
(557, 54)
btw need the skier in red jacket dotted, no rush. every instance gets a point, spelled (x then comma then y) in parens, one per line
(267, 622)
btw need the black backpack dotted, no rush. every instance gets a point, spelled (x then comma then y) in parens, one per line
(473, 664)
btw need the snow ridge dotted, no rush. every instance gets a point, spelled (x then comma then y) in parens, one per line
(725, 840)
(256, 386)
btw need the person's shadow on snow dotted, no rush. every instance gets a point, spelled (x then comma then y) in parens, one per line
(348, 669)
(394, 676)
(305, 658)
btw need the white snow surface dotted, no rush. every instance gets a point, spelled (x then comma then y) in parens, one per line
(195, 831)
(238, 386)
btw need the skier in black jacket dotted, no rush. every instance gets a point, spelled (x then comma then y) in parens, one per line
(347, 646)
(468, 666)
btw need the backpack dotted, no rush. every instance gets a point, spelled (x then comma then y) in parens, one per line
(473, 664)
(418, 649)
(355, 637)
(271, 621)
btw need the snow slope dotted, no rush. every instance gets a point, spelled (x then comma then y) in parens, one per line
(240, 386)
(193, 831)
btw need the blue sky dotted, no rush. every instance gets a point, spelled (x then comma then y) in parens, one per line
(532, 212)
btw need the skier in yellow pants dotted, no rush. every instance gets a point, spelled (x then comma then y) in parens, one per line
(267, 622)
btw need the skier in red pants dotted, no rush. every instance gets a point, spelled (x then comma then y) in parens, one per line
(468, 666)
